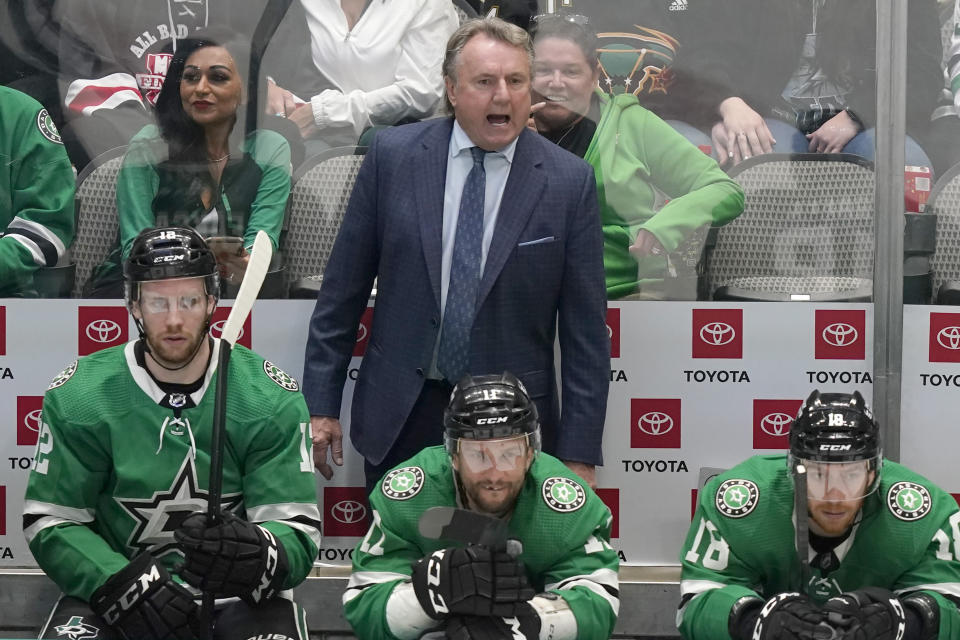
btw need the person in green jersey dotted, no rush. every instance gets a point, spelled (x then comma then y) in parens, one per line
(36, 193)
(114, 511)
(874, 555)
(562, 584)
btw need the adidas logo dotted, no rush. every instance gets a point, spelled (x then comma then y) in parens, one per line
(678, 5)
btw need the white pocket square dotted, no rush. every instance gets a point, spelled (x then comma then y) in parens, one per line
(537, 241)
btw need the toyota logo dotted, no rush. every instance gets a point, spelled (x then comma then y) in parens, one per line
(655, 423)
(217, 329)
(361, 332)
(717, 333)
(103, 331)
(348, 511)
(776, 424)
(840, 334)
(32, 421)
(949, 338)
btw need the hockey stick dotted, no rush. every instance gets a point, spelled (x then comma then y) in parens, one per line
(257, 266)
(467, 527)
(800, 512)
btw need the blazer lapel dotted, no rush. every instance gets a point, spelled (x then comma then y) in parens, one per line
(520, 197)
(430, 172)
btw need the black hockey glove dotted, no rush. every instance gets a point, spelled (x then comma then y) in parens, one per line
(525, 624)
(233, 558)
(791, 616)
(867, 614)
(471, 581)
(142, 602)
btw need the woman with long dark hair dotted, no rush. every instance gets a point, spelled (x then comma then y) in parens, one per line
(198, 167)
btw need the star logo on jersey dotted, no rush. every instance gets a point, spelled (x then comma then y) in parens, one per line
(159, 516)
(909, 501)
(278, 375)
(737, 498)
(403, 484)
(63, 376)
(563, 495)
(77, 629)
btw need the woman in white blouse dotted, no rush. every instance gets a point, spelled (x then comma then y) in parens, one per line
(383, 59)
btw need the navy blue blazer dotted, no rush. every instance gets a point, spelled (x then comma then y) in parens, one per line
(544, 271)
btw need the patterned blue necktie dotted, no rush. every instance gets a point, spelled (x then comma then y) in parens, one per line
(453, 356)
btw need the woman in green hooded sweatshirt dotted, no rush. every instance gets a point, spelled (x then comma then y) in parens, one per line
(636, 157)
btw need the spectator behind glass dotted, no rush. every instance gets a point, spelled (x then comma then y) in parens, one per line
(36, 193)
(779, 75)
(28, 47)
(637, 44)
(383, 60)
(942, 139)
(114, 55)
(634, 154)
(198, 169)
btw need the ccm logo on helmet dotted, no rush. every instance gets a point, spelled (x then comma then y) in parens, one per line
(173, 258)
(491, 420)
(835, 447)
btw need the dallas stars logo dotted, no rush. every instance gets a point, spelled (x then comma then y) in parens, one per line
(63, 376)
(403, 484)
(909, 501)
(736, 497)
(77, 629)
(279, 376)
(563, 495)
(159, 516)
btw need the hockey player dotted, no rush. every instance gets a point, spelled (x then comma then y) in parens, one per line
(36, 193)
(404, 584)
(113, 509)
(880, 544)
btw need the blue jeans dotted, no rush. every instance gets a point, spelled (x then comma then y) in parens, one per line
(791, 140)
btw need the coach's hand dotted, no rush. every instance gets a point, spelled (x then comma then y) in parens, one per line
(471, 581)
(142, 602)
(868, 614)
(326, 433)
(791, 616)
(232, 558)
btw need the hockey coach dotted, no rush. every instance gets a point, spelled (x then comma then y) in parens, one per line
(114, 503)
(828, 542)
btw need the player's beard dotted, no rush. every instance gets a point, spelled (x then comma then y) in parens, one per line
(833, 518)
(494, 504)
(175, 356)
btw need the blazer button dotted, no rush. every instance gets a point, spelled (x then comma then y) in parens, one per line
(434, 322)
(419, 372)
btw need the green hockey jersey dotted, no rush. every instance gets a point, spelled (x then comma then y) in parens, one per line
(120, 463)
(742, 543)
(36, 193)
(564, 528)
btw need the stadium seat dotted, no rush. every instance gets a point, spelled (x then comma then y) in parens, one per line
(321, 190)
(96, 214)
(944, 204)
(806, 232)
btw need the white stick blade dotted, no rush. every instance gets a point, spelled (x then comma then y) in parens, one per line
(256, 271)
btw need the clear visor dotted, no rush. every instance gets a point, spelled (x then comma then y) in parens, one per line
(840, 481)
(505, 454)
(194, 303)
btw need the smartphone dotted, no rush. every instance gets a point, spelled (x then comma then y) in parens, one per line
(226, 245)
